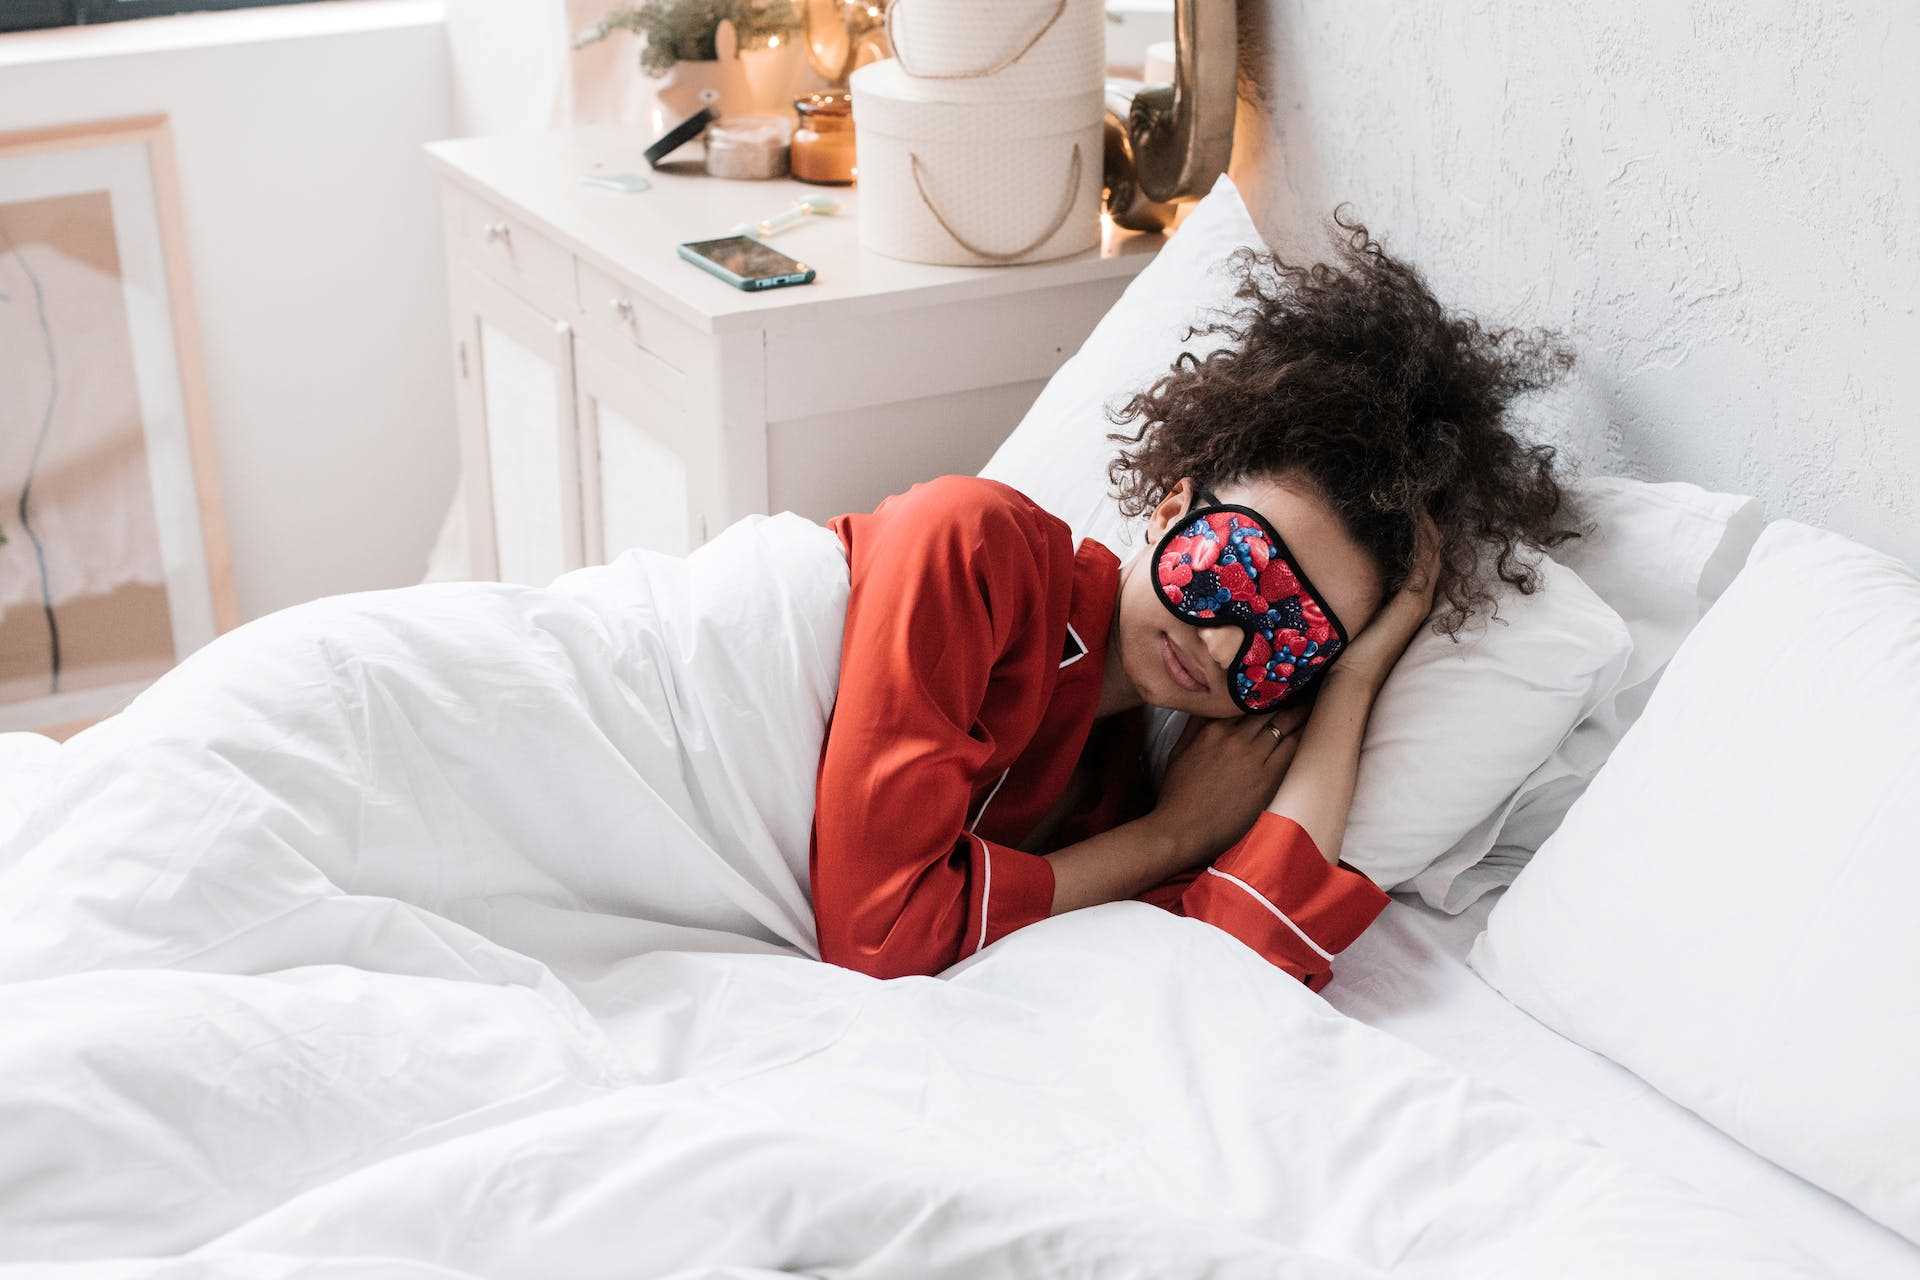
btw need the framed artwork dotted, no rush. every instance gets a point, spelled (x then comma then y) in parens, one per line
(113, 553)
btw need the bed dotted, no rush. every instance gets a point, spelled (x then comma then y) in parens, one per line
(345, 999)
(1408, 976)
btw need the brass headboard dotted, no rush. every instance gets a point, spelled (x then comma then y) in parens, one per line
(1166, 143)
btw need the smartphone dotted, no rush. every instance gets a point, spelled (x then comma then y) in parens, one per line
(745, 263)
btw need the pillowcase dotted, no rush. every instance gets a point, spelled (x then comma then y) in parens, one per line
(1659, 555)
(1728, 910)
(1460, 723)
(1458, 727)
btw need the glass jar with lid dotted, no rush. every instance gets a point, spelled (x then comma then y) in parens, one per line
(823, 142)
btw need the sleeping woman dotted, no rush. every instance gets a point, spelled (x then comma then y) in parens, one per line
(1308, 490)
(886, 742)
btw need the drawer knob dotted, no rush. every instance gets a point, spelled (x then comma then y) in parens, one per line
(497, 232)
(623, 309)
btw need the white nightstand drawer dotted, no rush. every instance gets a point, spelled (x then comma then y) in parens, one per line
(911, 354)
(616, 318)
(512, 252)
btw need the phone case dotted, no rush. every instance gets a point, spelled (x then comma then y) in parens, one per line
(751, 285)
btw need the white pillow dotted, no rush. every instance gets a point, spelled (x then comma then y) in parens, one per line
(1659, 555)
(1729, 909)
(1458, 726)
(1460, 723)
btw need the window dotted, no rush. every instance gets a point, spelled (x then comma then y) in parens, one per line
(21, 15)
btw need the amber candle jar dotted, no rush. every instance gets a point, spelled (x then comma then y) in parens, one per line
(823, 143)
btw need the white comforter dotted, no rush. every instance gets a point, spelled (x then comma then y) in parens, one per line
(462, 931)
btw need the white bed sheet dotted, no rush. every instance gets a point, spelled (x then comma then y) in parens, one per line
(1408, 975)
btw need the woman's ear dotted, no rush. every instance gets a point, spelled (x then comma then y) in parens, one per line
(1178, 502)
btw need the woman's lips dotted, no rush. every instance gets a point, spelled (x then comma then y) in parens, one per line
(1177, 667)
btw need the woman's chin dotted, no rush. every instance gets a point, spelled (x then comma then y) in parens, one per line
(1214, 705)
(1170, 697)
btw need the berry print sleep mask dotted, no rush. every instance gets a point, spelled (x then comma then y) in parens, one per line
(1224, 566)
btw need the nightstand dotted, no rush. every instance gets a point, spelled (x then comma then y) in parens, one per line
(613, 395)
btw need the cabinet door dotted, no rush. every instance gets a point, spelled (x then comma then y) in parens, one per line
(642, 481)
(519, 442)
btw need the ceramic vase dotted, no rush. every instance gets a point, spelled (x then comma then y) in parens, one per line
(718, 84)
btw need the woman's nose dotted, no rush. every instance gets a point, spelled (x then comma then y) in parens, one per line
(1222, 643)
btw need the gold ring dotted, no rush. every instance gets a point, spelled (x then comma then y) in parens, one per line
(1275, 731)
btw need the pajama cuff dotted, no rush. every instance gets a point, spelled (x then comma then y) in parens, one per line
(1275, 892)
(1010, 890)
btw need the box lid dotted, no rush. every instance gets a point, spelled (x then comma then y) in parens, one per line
(887, 100)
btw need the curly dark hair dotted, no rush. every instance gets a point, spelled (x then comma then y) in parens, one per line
(1351, 375)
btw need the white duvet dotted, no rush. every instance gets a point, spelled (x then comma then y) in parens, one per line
(462, 931)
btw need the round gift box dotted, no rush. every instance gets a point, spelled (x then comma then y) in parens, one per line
(977, 182)
(1001, 48)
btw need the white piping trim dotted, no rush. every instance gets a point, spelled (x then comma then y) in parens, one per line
(986, 893)
(1278, 914)
(1077, 640)
(989, 800)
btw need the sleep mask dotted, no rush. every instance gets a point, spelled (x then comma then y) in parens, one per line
(1224, 566)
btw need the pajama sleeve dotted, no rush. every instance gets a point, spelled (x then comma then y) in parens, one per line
(1276, 892)
(948, 615)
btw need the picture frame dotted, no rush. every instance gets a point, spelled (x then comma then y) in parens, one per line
(114, 561)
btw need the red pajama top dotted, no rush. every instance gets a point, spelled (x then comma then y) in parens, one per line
(970, 671)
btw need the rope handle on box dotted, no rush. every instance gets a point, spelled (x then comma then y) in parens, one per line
(893, 13)
(1059, 219)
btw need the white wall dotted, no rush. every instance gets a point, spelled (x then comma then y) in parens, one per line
(511, 63)
(316, 256)
(1719, 201)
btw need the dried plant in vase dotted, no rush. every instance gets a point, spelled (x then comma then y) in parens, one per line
(729, 55)
(679, 31)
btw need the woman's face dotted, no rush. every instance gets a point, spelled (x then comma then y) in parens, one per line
(1174, 664)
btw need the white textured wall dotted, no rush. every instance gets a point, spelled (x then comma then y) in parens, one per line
(314, 242)
(1718, 201)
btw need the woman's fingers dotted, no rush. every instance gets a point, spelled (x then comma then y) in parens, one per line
(1276, 724)
(1278, 735)
(1254, 725)
(1280, 747)
(1282, 755)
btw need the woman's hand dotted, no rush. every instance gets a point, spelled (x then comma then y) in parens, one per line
(1370, 658)
(1318, 793)
(1222, 774)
